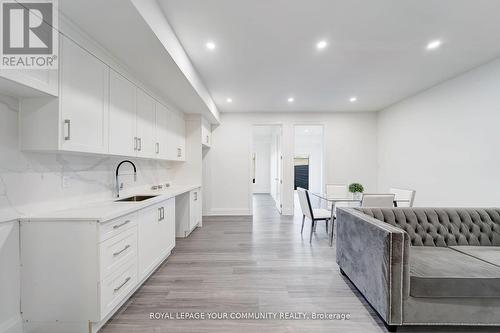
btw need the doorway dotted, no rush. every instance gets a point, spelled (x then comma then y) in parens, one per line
(267, 163)
(308, 158)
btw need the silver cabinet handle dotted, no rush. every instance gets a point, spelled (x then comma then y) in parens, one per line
(157, 147)
(162, 213)
(121, 251)
(135, 143)
(207, 139)
(195, 196)
(116, 226)
(159, 214)
(179, 152)
(67, 122)
(140, 144)
(121, 285)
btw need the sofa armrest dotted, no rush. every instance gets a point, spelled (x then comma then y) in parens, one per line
(375, 257)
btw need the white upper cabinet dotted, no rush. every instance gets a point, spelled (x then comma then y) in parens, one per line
(77, 121)
(161, 131)
(29, 82)
(177, 131)
(145, 125)
(83, 100)
(99, 111)
(122, 116)
(206, 133)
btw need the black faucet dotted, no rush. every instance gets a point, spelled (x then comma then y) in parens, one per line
(116, 175)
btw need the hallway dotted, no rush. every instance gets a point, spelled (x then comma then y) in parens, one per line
(234, 264)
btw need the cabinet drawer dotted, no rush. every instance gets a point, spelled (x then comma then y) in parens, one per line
(116, 287)
(117, 251)
(116, 226)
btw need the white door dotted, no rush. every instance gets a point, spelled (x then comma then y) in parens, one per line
(145, 125)
(279, 172)
(122, 116)
(161, 131)
(83, 98)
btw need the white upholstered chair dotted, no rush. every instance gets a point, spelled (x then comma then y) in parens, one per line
(336, 191)
(403, 194)
(377, 200)
(314, 214)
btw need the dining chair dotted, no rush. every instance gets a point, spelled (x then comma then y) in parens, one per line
(314, 214)
(336, 191)
(403, 194)
(377, 200)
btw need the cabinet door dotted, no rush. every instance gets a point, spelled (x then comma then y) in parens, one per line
(166, 234)
(145, 125)
(84, 100)
(122, 117)
(206, 133)
(161, 132)
(148, 245)
(194, 207)
(178, 136)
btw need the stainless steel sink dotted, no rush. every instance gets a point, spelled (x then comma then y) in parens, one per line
(137, 198)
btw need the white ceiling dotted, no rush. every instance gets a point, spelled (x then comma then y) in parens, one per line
(266, 49)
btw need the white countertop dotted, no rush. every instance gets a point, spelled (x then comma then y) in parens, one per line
(108, 210)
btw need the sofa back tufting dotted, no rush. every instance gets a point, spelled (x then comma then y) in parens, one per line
(443, 226)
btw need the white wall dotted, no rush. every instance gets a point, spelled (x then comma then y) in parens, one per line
(350, 143)
(262, 151)
(443, 142)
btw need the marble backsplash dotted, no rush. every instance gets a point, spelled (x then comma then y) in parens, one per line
(36, 182)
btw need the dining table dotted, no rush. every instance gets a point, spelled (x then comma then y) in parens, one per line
(352, 201)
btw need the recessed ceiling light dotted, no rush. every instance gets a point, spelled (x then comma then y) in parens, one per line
(210, 45)
(321, 44)
(353, 99)
(229, 100)
(434, 44)
(291, 99)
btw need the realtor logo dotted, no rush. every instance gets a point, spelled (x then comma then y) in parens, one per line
(29, 34)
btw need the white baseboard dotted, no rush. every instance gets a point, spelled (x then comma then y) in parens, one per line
(12, 325)
(229, 211)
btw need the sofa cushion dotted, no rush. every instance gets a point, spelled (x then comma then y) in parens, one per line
(443, 226)
(490, 254)
(444, 272)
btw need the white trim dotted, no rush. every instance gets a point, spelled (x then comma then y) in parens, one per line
(229, 211)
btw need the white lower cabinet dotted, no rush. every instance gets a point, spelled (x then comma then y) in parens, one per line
(156, 235)
(189, 213)
(75, 274)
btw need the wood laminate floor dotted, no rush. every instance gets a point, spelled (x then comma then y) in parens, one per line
(239, 264)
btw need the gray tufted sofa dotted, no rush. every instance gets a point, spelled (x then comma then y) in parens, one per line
(424, 266)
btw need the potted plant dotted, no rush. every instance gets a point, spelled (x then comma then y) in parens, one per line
(356, 189)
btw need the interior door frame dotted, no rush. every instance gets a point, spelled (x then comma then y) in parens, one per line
(279, 205)
(323, 162)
